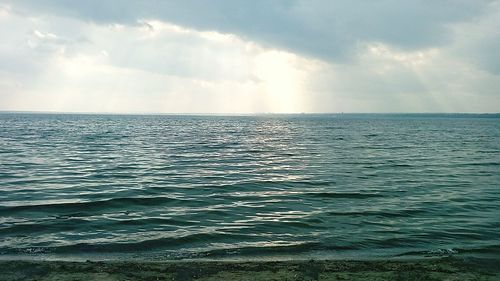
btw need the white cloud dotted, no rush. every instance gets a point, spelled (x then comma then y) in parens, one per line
(4, 11)
(150, 67)
(385, 79)
(58, 63)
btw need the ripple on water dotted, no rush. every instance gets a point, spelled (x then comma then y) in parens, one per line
(198, 186)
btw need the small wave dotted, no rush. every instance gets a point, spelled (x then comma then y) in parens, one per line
(267, 184)
(486, 250)
(78, 206)
(381, 213)
(431, 253)
(292, 248)
(153, 221)
(348, 195)
(25, 251)
(180, 244)
(442, 252)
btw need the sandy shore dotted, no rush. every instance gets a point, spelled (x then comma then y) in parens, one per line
(433, 269)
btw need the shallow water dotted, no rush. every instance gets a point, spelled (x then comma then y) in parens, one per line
(211, 186)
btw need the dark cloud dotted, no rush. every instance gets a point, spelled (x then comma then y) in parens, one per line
(325, 29)
(478, 42)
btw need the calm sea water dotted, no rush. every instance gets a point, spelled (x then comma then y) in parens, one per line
(207, 186)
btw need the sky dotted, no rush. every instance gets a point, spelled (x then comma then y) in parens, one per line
(259, 56)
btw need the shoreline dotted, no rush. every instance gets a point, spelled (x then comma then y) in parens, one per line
(447, 268)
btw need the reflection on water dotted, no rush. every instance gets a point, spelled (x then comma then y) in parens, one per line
(195, 186)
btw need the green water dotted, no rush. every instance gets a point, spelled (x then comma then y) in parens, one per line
(213, 186)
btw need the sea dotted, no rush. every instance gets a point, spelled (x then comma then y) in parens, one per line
(305, 186)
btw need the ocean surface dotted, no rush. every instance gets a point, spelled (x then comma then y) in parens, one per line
(270, 186)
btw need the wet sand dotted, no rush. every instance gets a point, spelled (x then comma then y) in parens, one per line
(430, 269)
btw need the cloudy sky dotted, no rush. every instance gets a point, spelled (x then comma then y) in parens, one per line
(227, 56)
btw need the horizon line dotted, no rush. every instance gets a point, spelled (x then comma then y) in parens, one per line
(235, 113)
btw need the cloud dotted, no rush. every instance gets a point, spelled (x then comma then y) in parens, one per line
(250, 56)
(478, 42)
(385, 79)
(149, 67)
(321, 28)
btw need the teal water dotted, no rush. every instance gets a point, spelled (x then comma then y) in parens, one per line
(210, 186)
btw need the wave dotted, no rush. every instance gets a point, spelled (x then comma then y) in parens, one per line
(381, 213)
(90, 205)
(347, 195)
(439, 252)
(185, 245)
(216, 185)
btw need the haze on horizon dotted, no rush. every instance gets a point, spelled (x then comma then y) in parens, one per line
(200, 56)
